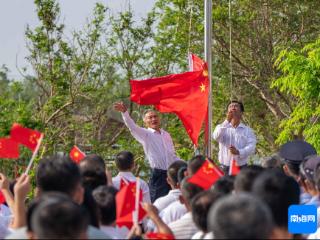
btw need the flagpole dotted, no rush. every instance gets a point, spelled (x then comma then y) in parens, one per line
(207, 55)
(34, 154)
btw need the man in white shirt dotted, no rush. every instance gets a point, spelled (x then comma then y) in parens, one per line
(125, 164)
(157, 145)
(236, 140)
(173, 195)
(185, 228)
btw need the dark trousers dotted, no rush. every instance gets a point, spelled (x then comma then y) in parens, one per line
(158, 184)
(225, 168)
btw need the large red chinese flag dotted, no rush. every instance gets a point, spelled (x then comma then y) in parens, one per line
(234, 168)
(25, 136)
(76, 154)
(207, 175)
(8, 148)
(185, 94)
(125, 205)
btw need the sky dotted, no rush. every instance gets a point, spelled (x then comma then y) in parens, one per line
(15, 15)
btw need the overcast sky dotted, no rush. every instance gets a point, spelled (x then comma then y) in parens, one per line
(15, 15)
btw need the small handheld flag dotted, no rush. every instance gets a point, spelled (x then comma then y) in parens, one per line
(25, 136)
(76, 154)
(9, 148)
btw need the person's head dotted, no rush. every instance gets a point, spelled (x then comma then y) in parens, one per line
(59, 173)
(95, 161)
(307, 174)
(195, 163)
(244, 180)
(236, 107)
(52, 196)
(124, 161)
(240, 216)
(224, 185)
(273, 161)
(152, 120)
(317, 177)
(308, 168)
(172, 173)
(182, 173)
(92, 179)
(59, 218)
(200, 206)
(105, 197)
(293, 153)
(278, 191)
(188, 191)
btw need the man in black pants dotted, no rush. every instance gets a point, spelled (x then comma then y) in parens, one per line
(157, 145)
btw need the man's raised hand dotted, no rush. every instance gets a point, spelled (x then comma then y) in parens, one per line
(120, 107)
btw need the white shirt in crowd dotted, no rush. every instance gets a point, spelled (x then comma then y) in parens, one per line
(115, 232)
(163, 202)
(202, 235)
(129, 177)
(173, 212)
(241, 137)
(184, 228)
(158, 147)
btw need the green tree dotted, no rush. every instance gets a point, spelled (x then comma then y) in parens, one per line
(301, 72)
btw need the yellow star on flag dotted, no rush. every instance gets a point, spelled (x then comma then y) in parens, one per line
(202, 87)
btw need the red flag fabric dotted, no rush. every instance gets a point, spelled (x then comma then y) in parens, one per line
(25, 136)
(125, 204)
(76, 154)
(195, 63)
(9, 148)
(234, 168)
(185, 94)
(123, 183)
(153, 235)
(2, 198)
(206, 175)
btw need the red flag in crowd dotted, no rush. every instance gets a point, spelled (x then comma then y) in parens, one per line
(76, 154)
(125, 204)
(185, 94)
(206, 175)
(25, 136)
(234, 168)
(153, 235)
(9, 148)
(123, 183)
(2, 198)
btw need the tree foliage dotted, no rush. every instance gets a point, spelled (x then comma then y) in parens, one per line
(301, 79)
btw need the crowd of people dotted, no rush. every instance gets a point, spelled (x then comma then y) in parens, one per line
(79, 201)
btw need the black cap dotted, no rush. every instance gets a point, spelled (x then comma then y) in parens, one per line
(296, 151)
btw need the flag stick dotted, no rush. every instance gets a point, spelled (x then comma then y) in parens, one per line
(207, 55)
(34, 154)
(137, 202)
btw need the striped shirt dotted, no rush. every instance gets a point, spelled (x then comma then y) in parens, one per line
(158, 147)
(184, 228)
(241, 137)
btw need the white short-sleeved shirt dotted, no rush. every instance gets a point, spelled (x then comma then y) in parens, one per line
(173, 212)
(184, 228)
(129, 177)
(163, 202)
